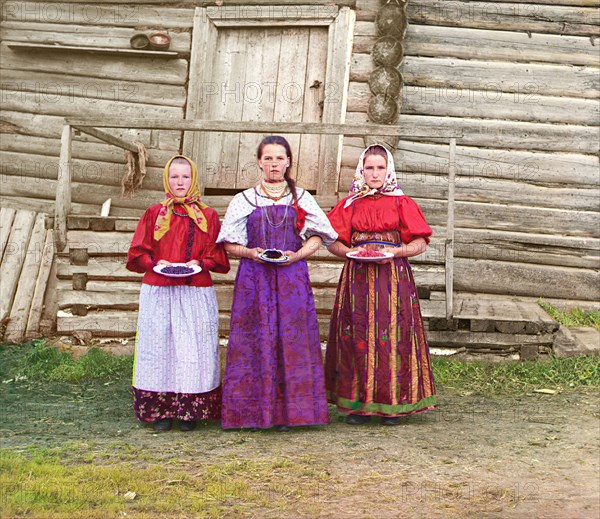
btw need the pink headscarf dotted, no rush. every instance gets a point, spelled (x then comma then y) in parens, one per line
(359, 186)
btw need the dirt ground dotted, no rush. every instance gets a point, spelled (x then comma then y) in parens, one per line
(519, 456)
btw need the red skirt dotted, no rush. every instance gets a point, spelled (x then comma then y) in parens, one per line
(377, 360)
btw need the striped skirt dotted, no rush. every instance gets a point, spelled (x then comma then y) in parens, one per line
(377, 360)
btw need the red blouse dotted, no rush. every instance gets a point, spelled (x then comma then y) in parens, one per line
(385, 213)
(182, 243)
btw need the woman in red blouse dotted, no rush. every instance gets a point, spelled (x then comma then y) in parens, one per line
(377, 359)
(176, 371)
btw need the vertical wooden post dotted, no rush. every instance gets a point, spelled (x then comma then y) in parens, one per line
(449, 260)
(63, 190)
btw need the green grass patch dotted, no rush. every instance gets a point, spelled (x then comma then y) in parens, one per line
(39, 361)
(573, 317)
(485, 377)
(41, 483)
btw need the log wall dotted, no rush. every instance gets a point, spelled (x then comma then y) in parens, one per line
(522, 81)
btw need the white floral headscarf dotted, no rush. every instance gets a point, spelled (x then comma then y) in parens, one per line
(359, 186)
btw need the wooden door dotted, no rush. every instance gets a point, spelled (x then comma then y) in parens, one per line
(268, 70)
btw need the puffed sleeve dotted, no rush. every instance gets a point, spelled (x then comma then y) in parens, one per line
(341, 221)
(316, 222)
(140, 257)
(412, 222)
(213, 255)
(234, 225)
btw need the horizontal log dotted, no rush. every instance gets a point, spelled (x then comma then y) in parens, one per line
(485, 45)
(503, 134)
(514, 218)
(99, 15)
(499, 277)
(510, 16)
(70, 34)
(77, 89)
(549, 169)
(428, 128)
(526, 79)
(20, 101)
(35, 154)
(50, 126)
(172, 72)
(494, 45)
(46, 205)
(446, 101)
(494, 341)
(321, 273)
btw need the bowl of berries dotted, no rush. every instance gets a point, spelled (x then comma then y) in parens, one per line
(177, 270)
(369, 255)
(273, 256)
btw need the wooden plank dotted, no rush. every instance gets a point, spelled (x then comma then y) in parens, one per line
(517, 106)
(121, 15)
(289, 101)
(503, 277)
(259, 97)
(26, 46)
(39, 292)
(426, 128)
(76, 35)
(514, 218)
(501, 134)
(339, 53)
(74, 106)
(488, 341)
(94, 162)
(276, 16)
(510, 16)
(52, 86)
(525, 79)
(307, 161)
(109, 139)
(7, 216)
(21, 307)
(12, 260)
(494, 45)
(172, 72)
(226, 145)
(63, 189)
(449, 260)
(495, 164)
(50, 127)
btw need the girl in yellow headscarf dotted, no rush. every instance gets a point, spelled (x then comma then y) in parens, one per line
(176, 370)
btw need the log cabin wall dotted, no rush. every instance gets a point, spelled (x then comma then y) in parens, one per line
(522, 81)
(41, 86)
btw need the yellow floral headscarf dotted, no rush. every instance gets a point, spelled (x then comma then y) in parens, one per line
(191, 203)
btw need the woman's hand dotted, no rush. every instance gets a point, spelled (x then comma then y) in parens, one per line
(193, 262)
(395, 251)
(163, 262)
(255, 253)
(293, 257)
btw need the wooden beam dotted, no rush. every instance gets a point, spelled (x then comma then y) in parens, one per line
(428, 130)
(63, 189)
(450, 230)
(108, 138)
(24, 46)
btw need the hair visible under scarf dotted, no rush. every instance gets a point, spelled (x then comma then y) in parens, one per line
(359, 187)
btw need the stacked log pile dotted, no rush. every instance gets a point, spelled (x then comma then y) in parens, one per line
(26, 253)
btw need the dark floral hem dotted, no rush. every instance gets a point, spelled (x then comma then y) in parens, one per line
(150, 406)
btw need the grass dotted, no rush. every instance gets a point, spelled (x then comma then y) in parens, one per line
(573, 317)
(485, 377)
(42, 483)
(44, 362)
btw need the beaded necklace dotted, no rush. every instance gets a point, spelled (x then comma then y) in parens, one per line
(274, 225)
(275, 193)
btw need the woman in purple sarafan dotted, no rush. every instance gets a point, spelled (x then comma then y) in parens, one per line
(274, 371)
